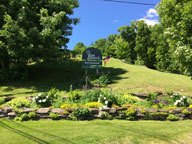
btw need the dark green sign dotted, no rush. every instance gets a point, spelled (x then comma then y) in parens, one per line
(92, 58)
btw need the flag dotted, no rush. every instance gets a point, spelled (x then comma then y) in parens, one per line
(106, 59)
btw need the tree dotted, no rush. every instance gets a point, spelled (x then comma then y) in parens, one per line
(143, 44)
(176, 17)
(121, 48)
(34, 30)
(109, 51)
(128, 33)
(79, 48)
(101, 45)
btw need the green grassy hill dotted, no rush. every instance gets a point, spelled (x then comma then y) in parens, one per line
(125, 78)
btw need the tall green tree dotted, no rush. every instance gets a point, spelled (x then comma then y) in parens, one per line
(34, 30)
(128, 33)
(79, 48)
(176, 17)
(101, 45)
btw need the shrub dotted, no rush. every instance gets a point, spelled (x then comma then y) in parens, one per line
(58, 102)
(128, 105)
(19, 102)
(107, 97)
(181, 102)
(152, 96)
(158, 116)
(53, 95)
(105, 115)
(130, 114)
(104, 79)
(32, 115)
(54, 116)
(42, 100)
(74, 95)
(172, 117)
(90, 96)
(81, 113)
(186, 112)
(93, 105)
(127, 99)
(2, 100)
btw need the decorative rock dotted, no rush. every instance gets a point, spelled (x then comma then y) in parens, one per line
(11, 115)
(57, 110)
(6, 110)
(112, 110)
(2, 115)
(121, 108)
(175, 111)
(43, 110)
(106, 109)
(161, 110)
(151, 110)
(140, 115)
(189, 109)
(27, 110)
(94, 110)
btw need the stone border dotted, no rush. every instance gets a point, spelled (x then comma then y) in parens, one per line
(141, 113)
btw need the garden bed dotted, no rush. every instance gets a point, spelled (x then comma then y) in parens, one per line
(98, 104)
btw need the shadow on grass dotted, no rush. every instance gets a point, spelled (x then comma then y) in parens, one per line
(44, 133)
(30, 137)
(43, 76)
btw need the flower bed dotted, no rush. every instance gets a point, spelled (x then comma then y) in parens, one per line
(98, 104)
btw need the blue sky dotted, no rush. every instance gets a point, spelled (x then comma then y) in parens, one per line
(99, 18)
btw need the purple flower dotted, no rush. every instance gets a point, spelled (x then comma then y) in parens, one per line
(156, 101)
(166, 102)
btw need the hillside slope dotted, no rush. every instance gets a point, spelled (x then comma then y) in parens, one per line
(142, 79)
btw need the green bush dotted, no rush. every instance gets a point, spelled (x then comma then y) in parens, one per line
(104, 79)
(32, 115)
(172, 117)
(186, 112)
(19, 102)
(107, 97)
(90, 96)
(42, 100)
(2, 100)
(127, 99)
(130, 114)
(106, 115)
(74, 95)
(54, 116)
(158, 116)
(81, 113)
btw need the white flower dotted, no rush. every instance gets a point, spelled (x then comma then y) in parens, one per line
(99, 100)
(39, 101)
(33, 99)
(36, 97)
(171, 96)
(47, 97)
(106, 102)
(183, 97)
(100, 95)
(39, 94)
(44, 100)
(104, 98)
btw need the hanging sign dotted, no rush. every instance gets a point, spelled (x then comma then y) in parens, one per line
(92, 58)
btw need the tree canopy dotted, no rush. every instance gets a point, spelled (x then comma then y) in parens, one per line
(34, 30)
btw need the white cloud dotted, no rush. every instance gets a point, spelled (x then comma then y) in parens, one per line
(151, 13)
(151, 17)
(151, 22)
(115, 21)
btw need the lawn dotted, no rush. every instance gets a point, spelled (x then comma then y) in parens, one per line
(94, 132)
(125, 78)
